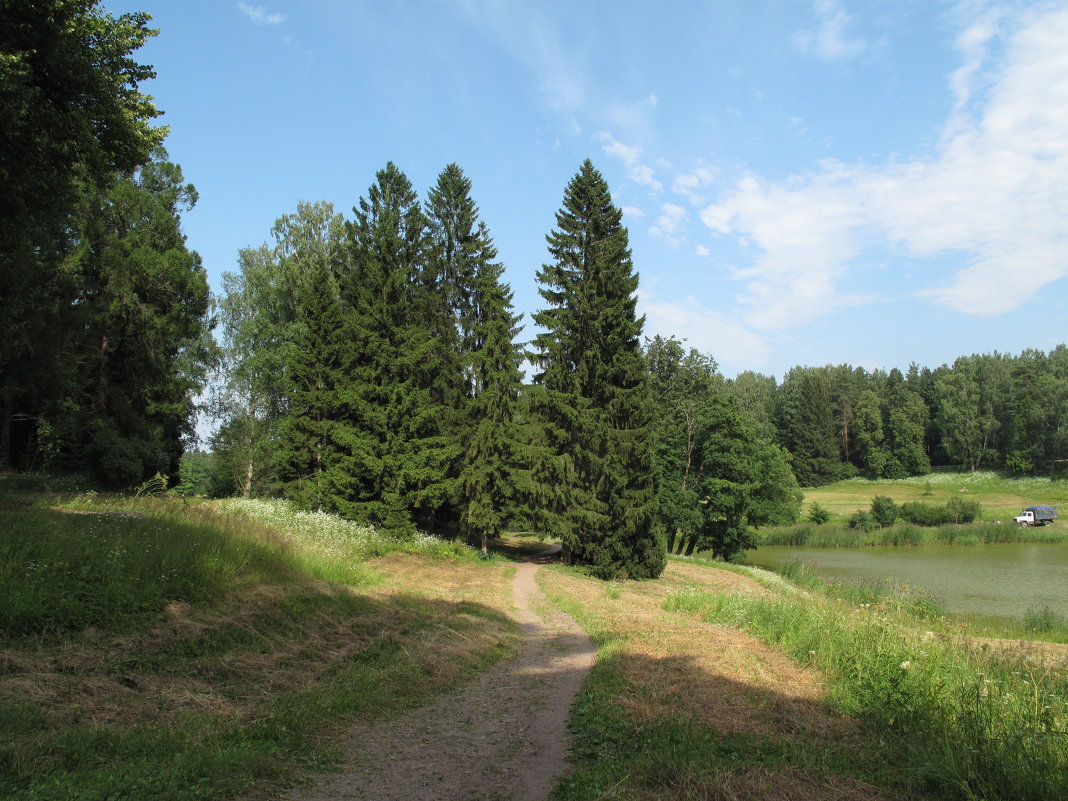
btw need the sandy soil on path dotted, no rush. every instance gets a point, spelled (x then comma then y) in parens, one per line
(502, 738)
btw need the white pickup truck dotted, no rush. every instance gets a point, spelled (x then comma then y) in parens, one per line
(1036, 516)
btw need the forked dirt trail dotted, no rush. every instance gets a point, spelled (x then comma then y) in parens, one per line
(502, 738)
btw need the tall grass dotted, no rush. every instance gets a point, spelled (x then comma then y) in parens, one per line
(104, 561)
(153, 648)
(969, 727)
(834, 535)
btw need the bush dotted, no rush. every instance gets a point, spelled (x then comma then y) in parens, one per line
(884, 510)
(862, 521)
(1042, 619)
(957, 510)
(818, 515)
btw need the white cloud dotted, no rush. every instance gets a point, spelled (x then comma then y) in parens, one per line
(992, 200)
(731, 343)
(669, 223)
(631, 157)
(260, 15)
(827, 37)
(632, 211)
(702, 251)
(687, 184)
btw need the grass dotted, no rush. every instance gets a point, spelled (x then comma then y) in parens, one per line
(679, 709)
(711, 685)
(961, 725)
(839, 535)
(155, 648)
(1001, 498)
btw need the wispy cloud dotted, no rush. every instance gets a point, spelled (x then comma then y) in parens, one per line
(631, 157)
(689, 183)
(260, 15)
(991, 201)
(632, 211)
(530, 39)
(735, 346)
(669, 224)
(827, 36)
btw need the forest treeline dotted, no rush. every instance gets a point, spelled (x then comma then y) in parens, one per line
(992, 411)
(371, 366)
(104, 311)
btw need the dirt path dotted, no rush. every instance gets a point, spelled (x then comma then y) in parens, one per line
(503, 738)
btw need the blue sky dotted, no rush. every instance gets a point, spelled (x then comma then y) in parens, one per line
(872, 182)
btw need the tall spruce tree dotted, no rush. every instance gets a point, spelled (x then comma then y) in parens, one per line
(302, 334)
(395, 400)
(72, 122)
(593, 479)
(484, 386)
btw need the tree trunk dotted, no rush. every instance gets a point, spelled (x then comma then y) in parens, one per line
(246, 491)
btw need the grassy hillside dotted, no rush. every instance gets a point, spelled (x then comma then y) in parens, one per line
(153, 648)
(213, 649)
(1001, 498)
(713, 685)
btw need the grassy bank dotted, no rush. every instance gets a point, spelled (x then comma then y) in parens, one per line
(152, 648)
(839, 535)
(677, 708)
(962, 725)
(692, 697)
(1001, 498)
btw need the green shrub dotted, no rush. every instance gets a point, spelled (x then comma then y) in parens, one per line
(959, 510)
(818, 515)
(884, 510)
(1042, 619)
(862, 521)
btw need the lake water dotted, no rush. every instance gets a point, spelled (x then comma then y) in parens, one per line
(997, 580)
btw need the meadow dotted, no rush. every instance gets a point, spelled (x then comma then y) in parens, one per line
(218, 649)
(1001, 498)
(152, 647)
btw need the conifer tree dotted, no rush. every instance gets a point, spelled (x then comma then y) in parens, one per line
(313, 451)
(313, 353)
(593, 477)
(488, 379)
(397, 433)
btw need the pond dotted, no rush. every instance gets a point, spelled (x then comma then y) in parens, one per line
(997, 580)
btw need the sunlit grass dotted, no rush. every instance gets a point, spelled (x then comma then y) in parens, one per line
(968, 725)
(1001, 498)
(154, 648)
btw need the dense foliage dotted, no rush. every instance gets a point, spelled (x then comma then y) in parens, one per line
(371, 369)
(991, 410)
(103, 339)
(718, 476)
(592, 478)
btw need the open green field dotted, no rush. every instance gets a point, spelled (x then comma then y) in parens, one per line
(1001, 498)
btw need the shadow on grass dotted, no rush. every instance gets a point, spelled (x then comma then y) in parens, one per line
(208, 704)
(667, 728)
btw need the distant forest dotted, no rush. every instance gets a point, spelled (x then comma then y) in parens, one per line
(371, 366)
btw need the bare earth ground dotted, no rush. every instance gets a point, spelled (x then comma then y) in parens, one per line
(502, 738)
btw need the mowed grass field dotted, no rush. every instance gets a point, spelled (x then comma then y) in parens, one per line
(1001, 498)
